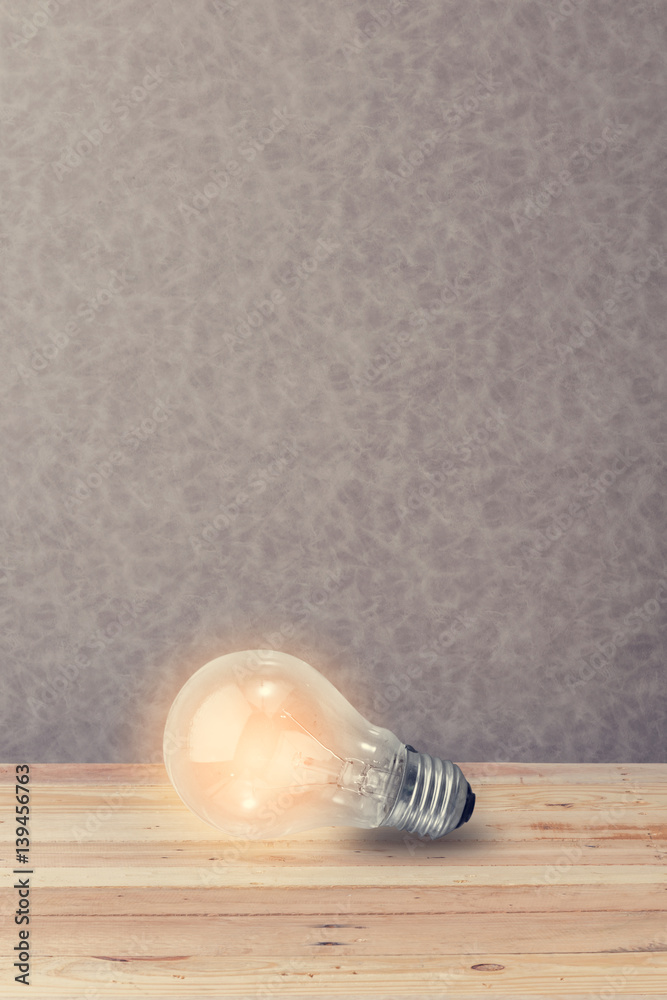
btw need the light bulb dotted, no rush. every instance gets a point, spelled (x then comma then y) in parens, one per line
(259, 744)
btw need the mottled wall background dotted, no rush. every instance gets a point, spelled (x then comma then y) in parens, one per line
(336, 328)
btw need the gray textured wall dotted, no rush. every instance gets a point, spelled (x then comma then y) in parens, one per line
(336, 328)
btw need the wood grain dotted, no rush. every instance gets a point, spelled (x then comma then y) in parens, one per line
(557, 888)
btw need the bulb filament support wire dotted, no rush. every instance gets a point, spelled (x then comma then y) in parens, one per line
(284, 713)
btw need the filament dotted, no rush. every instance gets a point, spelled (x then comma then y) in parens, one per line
(286, 713)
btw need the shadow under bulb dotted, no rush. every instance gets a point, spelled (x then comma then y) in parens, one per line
(260, 745)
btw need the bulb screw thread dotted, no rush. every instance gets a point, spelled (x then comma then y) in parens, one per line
(434, 797)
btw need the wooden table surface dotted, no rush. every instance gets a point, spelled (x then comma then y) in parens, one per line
(556, 887)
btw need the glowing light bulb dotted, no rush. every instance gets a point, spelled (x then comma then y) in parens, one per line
(259, 744)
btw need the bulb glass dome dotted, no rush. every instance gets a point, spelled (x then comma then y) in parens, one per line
(260, 745)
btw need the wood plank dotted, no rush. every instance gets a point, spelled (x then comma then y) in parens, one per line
(426, 901)
(551, 974)
(485, 832)
(351, 935)
(327, 875)
(381, 851)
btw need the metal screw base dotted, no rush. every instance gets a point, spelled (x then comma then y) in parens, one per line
(434, 797)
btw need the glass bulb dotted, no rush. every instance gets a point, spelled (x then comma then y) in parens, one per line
(259, 744)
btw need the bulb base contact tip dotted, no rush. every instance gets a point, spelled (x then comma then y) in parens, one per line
(467, 809)
(434, 797)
